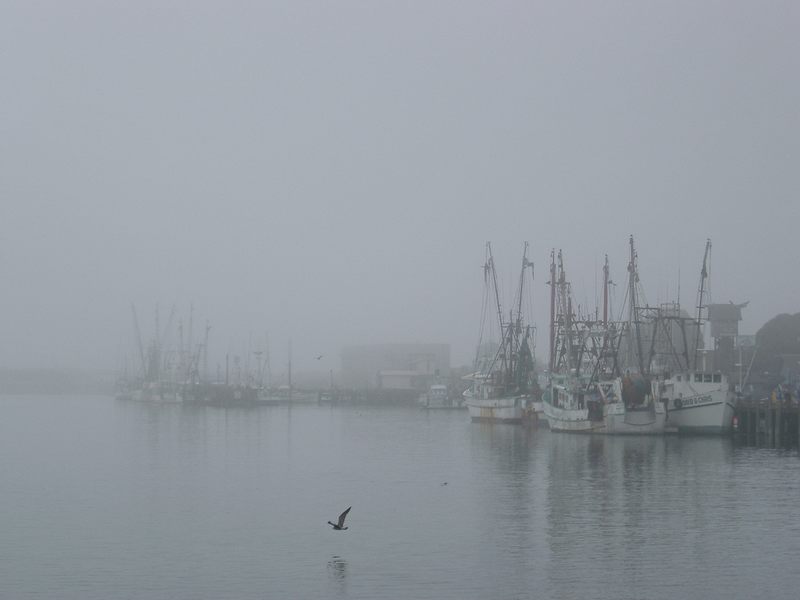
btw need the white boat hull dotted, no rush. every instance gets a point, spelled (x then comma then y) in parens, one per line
(505, 410)
(617, 420)
(620, 420)
(697, 408)
(164, 397)
(708, 418)
(706, 413)
(569, 420)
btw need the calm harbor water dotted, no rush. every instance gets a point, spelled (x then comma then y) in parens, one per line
(102, 499)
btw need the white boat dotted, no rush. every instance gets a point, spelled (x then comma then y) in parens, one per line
(438, 397)
(504, 387)
(500, 410)
(614, 407)
(158, 392)
(568, 409)
(165, 372)
(587, 392)
(287, 394)
(488, 402)
(268, 396)
(697, 402)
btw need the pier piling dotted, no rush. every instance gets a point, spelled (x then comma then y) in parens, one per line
(769, 422)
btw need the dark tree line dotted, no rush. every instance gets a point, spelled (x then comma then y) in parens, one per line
(779, 336)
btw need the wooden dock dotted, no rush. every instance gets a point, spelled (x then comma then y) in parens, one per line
(768, 423)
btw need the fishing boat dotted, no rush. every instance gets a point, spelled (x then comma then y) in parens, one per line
(697, 399)
(591, 389)
(159, 380)
(618, 405)
(438, 397)
(158, 391)
(503, 385)
(168, 369)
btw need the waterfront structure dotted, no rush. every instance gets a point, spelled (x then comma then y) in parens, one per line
(395, 371)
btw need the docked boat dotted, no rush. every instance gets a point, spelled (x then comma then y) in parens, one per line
(588, 392)
(162, 373)
(489, 400)
(158, 391)
(438, 397)
(697, 402)
(503, 386)
(697, 399)
(617, 406)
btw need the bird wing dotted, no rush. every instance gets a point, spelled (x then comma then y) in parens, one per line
(343, 516)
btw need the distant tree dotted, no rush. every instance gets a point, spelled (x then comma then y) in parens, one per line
(780, 335)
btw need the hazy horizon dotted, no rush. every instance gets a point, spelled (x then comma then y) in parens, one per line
(330, 173)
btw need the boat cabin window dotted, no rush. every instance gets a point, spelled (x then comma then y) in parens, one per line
(717, 377)
(698, 377)
(708, 378)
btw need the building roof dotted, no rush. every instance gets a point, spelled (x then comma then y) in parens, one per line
(724, 312)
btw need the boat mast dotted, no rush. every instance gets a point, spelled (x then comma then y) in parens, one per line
(502, 351)
(139, 340)
(608, 336)
(525, 264)
(155, 351)
(517, 326)
(700, 292)
(605, 292)
(183, 367)
(491, 270)
(190, 338)
(566, 302)
(552, 309)
(205, 352)
(267, 363)
(290, 369)
(564, 317)
(633, 321)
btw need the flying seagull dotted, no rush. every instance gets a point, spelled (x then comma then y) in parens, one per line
(340, 525)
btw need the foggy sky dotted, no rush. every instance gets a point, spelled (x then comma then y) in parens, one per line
(330, 172)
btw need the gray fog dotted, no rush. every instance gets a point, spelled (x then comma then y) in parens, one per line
(330, 172)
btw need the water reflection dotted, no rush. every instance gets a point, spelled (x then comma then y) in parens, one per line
(337, 573)
(525, 514)
(602, 500)
(505, 459)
